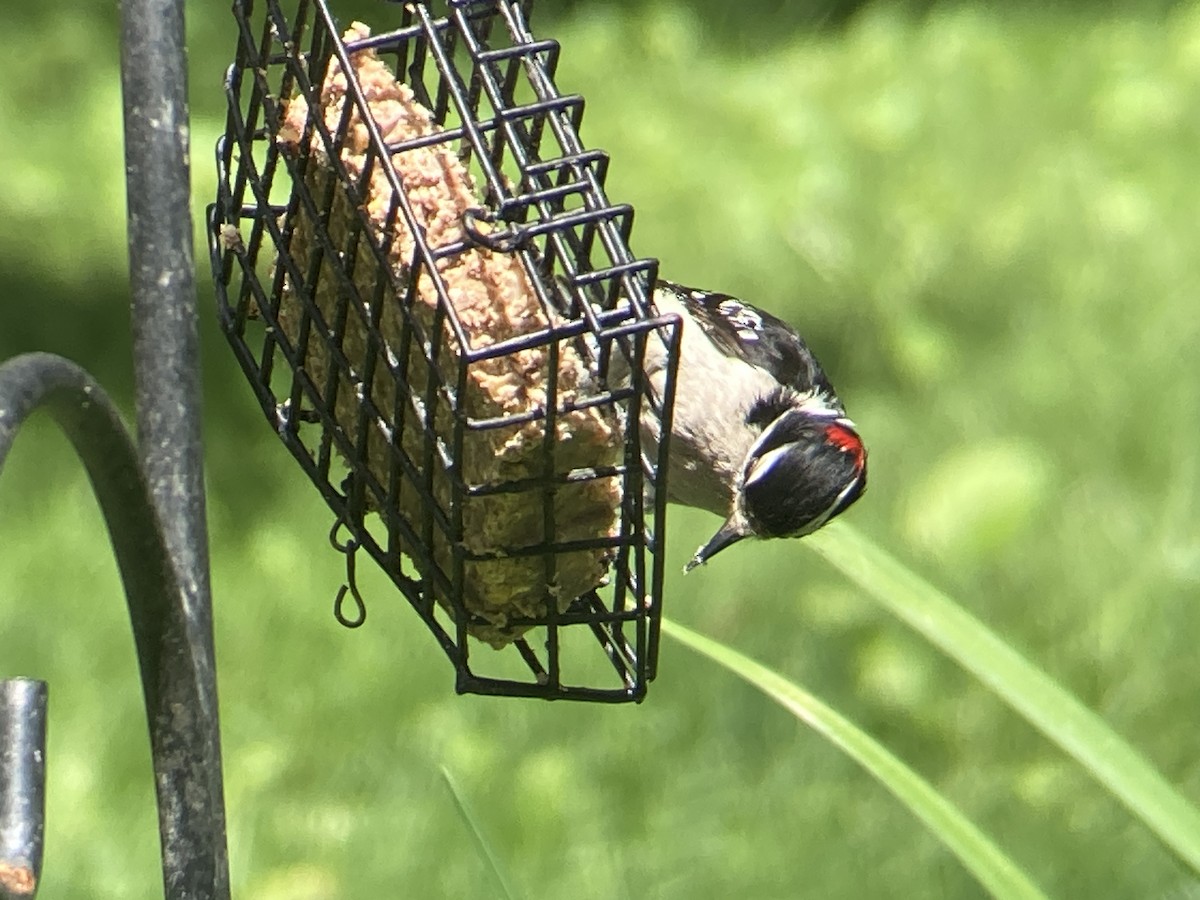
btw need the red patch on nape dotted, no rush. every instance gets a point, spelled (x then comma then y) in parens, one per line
(846, 440)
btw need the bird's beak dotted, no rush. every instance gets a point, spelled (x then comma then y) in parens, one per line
(729, 533)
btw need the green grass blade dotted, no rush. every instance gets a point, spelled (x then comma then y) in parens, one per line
(982, 858)
(486, 852)
(1031, 692)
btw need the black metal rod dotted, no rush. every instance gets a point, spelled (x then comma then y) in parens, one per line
(167, 359)
(22, 786)
(162, 277)
(174, 658)
(162, 280)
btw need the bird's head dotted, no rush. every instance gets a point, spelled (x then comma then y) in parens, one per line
(807, 466)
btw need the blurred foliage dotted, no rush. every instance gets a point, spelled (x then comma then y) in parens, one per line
(983, 218)
(757, 24)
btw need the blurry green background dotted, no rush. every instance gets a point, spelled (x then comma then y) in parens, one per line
(983, 217)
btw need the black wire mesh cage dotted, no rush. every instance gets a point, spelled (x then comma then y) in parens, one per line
(435, 302)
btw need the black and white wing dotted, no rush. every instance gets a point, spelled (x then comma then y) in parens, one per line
(758, 338)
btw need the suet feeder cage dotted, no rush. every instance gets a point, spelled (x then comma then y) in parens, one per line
(435, 303)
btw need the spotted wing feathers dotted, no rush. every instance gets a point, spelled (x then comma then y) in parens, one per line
(740, 330)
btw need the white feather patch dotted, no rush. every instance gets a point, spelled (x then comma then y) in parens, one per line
(763, 465)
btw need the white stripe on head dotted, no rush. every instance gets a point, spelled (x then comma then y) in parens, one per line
(766, 435)
(818, 404)
(763, 464)
(820, 521)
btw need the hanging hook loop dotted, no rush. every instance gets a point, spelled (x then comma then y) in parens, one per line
(349, 588)
(341, 546)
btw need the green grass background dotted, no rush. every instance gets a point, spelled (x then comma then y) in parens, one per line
(983, 217)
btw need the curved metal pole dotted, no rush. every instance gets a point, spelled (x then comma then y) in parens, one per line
(173, 639)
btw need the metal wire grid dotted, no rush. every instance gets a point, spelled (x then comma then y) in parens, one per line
(491, 90)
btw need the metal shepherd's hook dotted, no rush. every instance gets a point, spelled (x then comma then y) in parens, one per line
(151, 494)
